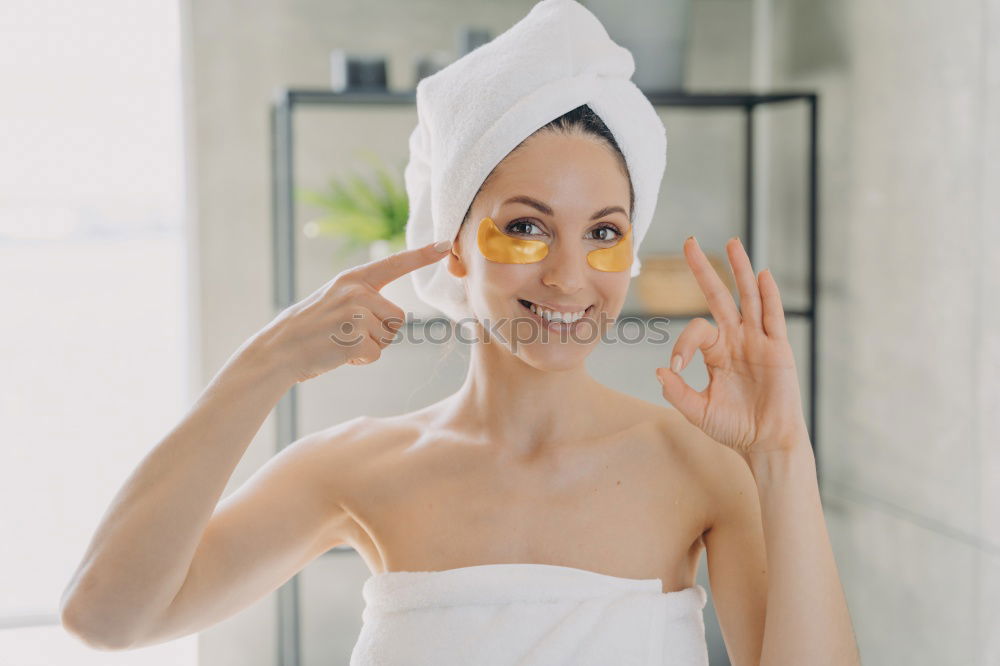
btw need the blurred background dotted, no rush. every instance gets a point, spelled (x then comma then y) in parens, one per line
(137, 213)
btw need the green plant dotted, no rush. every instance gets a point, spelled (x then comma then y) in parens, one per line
(358, 211)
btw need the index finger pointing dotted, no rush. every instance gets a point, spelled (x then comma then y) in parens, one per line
(381, 272)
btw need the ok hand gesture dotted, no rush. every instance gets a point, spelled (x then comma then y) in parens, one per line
(752, 402)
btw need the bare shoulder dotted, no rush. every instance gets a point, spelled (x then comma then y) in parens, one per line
(344, 453)
(719, 470)
(722, 470)
(361, 433)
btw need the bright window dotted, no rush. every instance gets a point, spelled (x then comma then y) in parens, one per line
(92, 286)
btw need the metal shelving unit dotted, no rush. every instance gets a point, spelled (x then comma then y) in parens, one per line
(282, 113)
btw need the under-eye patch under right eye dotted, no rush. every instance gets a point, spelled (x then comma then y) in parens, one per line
(505, 249)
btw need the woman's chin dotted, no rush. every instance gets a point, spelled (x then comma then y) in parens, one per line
(554, 356)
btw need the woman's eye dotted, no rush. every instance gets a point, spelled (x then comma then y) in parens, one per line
(606, 233)
(517, 226)
(611, 233)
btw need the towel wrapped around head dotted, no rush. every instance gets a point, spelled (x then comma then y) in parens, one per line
(472, 113)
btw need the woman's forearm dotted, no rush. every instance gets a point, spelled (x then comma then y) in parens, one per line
(140, 554)
(807, 619)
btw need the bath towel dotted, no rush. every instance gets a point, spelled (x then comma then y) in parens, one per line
(529, 615)
(474, 111)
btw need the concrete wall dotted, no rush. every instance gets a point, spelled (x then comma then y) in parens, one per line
(910, 355)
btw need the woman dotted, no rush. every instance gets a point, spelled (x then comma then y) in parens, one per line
(552, 466)
(532, 472)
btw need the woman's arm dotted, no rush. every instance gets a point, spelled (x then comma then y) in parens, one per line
(140, 554)
(753, 405)
(807, 619)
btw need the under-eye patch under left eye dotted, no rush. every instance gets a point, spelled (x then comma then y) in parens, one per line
(616, 258)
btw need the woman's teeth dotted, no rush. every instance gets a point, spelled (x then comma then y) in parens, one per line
(557, 317)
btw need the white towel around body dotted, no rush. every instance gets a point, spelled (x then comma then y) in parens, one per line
(529, 615)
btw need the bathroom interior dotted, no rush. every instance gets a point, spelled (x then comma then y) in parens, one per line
(168, 190)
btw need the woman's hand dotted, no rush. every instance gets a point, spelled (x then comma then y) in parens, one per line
(752, 402)
(346, 320)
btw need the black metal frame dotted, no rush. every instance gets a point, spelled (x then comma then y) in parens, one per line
(283, 215)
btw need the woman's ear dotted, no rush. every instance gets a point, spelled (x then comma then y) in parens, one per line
(455, 264)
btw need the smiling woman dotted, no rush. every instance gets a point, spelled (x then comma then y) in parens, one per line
(534, 515)
(568, 172)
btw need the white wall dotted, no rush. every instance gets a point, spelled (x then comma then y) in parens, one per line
(910, 98)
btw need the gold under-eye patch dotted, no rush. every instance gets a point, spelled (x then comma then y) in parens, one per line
(618, 257)
(505, 249)
(500, 247)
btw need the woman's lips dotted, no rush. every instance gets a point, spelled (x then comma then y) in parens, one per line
(553, 324)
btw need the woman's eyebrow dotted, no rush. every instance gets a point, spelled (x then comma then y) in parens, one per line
(542, 207)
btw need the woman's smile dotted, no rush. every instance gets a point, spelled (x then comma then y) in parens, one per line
(555, 320)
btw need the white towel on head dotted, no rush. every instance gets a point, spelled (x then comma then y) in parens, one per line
(472, 113)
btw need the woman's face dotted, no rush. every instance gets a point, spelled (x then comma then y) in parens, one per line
(574, 177)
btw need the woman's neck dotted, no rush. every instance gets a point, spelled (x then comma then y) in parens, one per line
(519, 409)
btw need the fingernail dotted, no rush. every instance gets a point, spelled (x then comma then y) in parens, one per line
(441, 246)
(659, 377)
(675, 364)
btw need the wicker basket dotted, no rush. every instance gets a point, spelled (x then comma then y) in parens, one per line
(666, 285)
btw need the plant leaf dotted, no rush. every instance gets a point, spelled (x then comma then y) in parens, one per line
(359, 210)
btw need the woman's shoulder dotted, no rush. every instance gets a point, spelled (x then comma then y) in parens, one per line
(367, 436)
(668, 423)
(714, 464)
(342, 450)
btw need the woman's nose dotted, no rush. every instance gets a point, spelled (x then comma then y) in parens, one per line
(564, 266)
